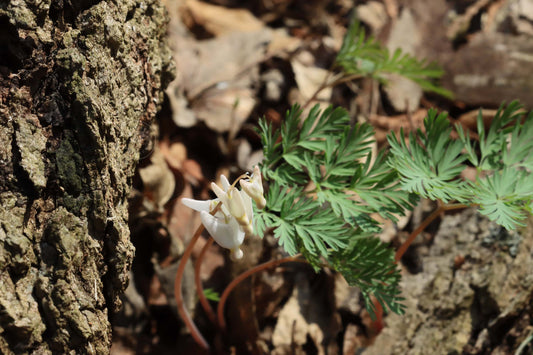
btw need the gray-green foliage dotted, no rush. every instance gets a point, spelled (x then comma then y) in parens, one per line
(325, 188)
(362, 55)
(431, 163)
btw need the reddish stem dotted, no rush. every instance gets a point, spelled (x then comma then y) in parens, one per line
(242, 277)
(178, 289)
(403, 248)
(378, 323)
(199, 288)
(179, 295)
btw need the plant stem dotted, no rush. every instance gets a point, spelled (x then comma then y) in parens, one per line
(197, 336)
(336, 80)
(403, 248)
(179, 295)
(199, 288)
(243, 276)
(378, 323)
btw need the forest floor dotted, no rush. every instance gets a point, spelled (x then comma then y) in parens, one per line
(468, 285)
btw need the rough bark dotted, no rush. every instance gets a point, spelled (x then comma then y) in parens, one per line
(80, 82)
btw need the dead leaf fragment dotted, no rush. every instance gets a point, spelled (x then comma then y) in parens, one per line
(225, 109)
(403, 94)
(158, 180)
(215, 77)
(309, 78)
(374, 14)
(205, 64)
(220, 20)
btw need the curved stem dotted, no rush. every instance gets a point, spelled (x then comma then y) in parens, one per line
(199, 288)
(403, 248)
(200, 340)
(378, 323)
(326, 83)
(179, 295)
(242, 277)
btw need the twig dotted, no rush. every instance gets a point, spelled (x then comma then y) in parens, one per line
(243, 276)
(199, 288)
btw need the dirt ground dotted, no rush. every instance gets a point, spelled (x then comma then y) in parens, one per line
(468, 284)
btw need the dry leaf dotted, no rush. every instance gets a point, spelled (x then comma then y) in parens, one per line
(309, 78)
(403, 94)
(305, 318)
(158, 180)
(386, 124)
(175, 153)
(226, 108)
(220, 20)
(292, 327)
(192, 171)
(246, 159)
(215, 77)
(182, 115)
(282, 42)
(205, 64)
(374, 14)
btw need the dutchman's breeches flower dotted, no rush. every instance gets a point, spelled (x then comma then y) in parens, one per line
(254, 188)
(229, 225)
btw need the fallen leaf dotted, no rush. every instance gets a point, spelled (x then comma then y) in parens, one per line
(219, 20)
(225, 108)
(204, 64)
(175, 153)
(386, 124)
(282, 43)
(403, 94)
(192, 169)
(214, 81)
(373, 14)
(309, 78)
(158, 180)
(246, 159)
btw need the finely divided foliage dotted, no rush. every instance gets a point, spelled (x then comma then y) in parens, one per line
(324, 187)
(364, 56)
(431, 163)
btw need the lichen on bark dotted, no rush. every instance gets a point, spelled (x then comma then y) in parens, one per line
(80, 83)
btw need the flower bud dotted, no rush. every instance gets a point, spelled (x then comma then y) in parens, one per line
(254, 188)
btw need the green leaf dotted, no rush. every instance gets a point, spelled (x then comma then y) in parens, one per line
(366, 57)
(505, 196)
(324, 186)
(431, 163)
(369, 265)
(211, 294)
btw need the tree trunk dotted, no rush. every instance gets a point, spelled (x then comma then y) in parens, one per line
(80, 83)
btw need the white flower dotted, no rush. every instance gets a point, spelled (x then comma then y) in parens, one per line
(227, 235)
(233, 221)
(254, 188)
(238, 204)
(224, 226)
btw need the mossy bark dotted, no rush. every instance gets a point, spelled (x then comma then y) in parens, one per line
(80, 82)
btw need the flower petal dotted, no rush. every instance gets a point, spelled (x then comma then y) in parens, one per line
(221, 194)
(197, 205)
(225, 183)
(227, 235)
(247, 204)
